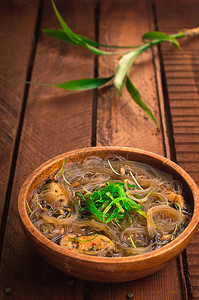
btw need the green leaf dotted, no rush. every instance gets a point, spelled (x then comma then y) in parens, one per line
(162, 37)
(123, 68)
(83, 84)
(98, 51)
(137, 98)
(75, 38)
(61, 35)
(77, 85)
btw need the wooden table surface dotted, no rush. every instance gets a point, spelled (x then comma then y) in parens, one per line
(38, 123)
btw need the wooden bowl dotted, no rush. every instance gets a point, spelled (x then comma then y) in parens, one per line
(105, 269)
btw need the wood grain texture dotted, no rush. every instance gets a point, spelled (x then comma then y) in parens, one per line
(55, 121)
(17, 20)
(151, 287)
(122, 122)
(182, 70)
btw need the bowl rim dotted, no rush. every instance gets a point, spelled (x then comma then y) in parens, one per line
(163, 251)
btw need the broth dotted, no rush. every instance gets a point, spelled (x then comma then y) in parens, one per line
(109, 207)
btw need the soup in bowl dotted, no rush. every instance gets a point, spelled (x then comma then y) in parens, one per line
(109, 214)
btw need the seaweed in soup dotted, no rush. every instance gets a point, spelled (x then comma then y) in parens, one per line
(109, 207)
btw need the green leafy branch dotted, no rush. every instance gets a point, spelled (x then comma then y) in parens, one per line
(126, 61)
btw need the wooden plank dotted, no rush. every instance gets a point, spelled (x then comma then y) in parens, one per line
(181, 68)
(151, 287)
(187, 138)
(43, 134)
(185, 111)
(193, 261)
(189, 166)
(17, 19)
(183, 103)
(55, 122)
(121, 122)
(185, 96)
(187, 157)
(179, 75)
(183, 126)
(195, 292)
(183, 89)
(189, 120)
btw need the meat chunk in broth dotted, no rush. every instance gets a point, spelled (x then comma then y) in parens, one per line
(94, 244)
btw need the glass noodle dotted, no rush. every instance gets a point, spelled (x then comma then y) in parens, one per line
(109, 207)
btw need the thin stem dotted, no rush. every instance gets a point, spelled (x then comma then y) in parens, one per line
(118, 47)
(178, 35)
(40, 84)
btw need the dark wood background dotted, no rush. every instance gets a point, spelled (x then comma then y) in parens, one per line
(38, 123)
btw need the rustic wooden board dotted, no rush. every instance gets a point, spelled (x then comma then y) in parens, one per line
(121, 122)
(157, 286)
(182, 70)
(55, 122)
(18, 19)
